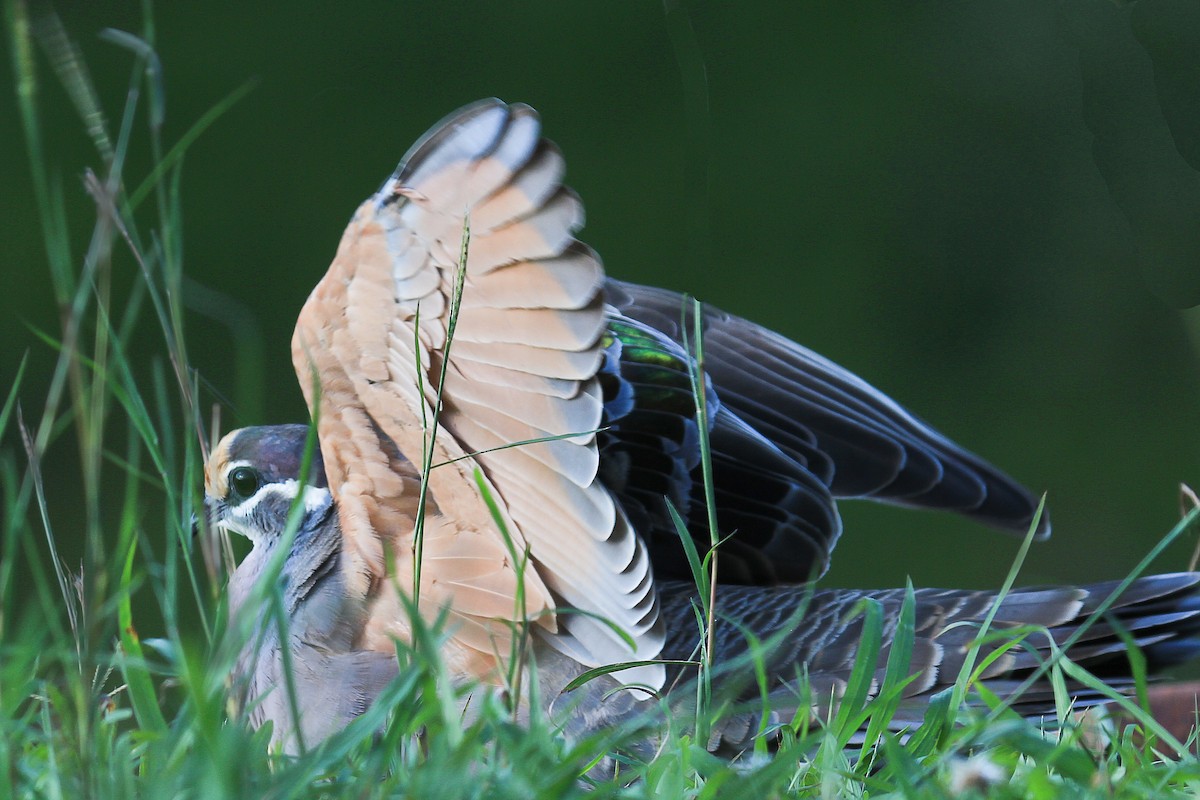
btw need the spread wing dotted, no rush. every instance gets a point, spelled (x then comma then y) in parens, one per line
(372, 344)
(856, 440)
(792, 433)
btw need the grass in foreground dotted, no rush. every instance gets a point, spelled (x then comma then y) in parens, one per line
(87, 708)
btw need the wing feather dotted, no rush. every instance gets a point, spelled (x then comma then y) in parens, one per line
(546, 361)
(496, 431)
(535, 327)
(527, 190)
(559, 282)
(521, 366)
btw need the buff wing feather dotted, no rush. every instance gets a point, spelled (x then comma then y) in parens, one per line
(521, 367)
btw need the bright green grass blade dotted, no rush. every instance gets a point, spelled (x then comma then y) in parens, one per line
(896, 675)
(1142, 566)
(609, 669)
(132, 658)
(967, 673)
(862, 674)
(699, 574)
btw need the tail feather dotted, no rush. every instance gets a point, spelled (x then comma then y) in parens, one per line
(815, 633)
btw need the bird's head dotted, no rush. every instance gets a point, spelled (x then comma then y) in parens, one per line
(252, 479)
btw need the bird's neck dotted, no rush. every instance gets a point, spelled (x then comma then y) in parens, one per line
(309, 576)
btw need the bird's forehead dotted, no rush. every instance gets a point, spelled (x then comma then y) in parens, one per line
(276, 451)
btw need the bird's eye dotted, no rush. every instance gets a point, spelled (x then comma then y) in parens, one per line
(244, 482)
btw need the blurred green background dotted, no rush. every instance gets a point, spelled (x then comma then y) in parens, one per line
(989, 210)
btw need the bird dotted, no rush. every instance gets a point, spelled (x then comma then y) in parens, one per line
(509, 441)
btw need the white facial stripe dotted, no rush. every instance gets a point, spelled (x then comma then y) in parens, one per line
(315, 497)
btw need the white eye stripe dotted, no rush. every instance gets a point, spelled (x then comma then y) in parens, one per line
(315, 497)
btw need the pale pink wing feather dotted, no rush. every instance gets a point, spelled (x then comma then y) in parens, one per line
(522, 367)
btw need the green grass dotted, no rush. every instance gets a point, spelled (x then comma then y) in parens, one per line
(114, 670)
